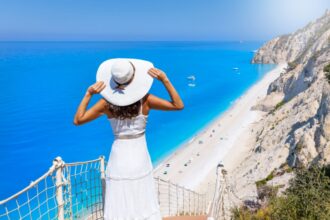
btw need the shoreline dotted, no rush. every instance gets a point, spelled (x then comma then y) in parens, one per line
(195, 158)
(204, 128)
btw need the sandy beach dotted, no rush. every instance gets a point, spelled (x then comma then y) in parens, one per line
(225, 140)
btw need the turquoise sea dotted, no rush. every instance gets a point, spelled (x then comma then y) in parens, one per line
(42, 84)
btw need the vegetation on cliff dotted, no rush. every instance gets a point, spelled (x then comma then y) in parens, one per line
(326, 70)
(307, 197)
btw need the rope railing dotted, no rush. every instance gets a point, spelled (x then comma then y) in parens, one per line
(176, 200)
(76, 191)
(65, 191)
(224, 197)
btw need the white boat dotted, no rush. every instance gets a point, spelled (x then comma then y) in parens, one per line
(191, 84)
(192, 77)
(235, 68)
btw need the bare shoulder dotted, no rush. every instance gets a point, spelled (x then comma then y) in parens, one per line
(155, 102)
(150, 98)
(152, 101)
(101, 105)
(145, 105)
(149, 102)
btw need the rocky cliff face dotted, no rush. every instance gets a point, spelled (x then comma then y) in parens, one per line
(296, 128)
(296, 47)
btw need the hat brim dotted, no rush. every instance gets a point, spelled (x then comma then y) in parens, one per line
(134, 91)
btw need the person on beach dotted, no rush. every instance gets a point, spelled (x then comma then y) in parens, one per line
(124, 84)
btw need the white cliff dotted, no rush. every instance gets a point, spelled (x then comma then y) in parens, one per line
(296, 129)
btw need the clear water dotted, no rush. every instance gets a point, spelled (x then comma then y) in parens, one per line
(42, 84)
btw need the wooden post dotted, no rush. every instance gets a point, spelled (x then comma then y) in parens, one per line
(158, 183)
(195, 207)
(198, 209)
(204, 204)
(177, 200)
(189, 202)
(58, 162)
(184, 210)
(169, 198)
(102, 171)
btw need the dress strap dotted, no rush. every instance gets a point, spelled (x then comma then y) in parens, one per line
(141, 106)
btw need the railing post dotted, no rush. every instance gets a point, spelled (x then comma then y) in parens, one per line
(177, 200)
(189, 202)
(158, 182)
(183, 208)
(102, 168)
(195, 211)
(204, 203)
(198, 205)
(102, 171)
(58, 162)
(169, 198)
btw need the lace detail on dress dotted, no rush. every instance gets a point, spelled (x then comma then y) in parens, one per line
(130, 126)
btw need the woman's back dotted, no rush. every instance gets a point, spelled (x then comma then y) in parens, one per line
(129, 127)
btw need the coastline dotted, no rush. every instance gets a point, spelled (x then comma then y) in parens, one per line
(193, 163)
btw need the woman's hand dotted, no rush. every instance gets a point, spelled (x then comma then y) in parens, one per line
(96, 88)
(82, 115)
(158, 103)
(158, 74)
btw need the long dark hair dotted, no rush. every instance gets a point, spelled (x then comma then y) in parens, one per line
(123, 112)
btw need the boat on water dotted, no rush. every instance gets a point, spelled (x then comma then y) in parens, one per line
(192, 77)
(191, 84)
(236, 68)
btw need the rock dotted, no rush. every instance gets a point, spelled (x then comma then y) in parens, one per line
(258, 149)
(298, 46)
(298, 130)
(269, 102)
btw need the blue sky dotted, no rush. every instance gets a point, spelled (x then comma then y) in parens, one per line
(224, 20)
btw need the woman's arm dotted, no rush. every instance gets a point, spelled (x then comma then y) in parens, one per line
(82, 116)
(157, 103)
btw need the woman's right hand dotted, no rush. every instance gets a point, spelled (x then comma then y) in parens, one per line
(158, 103)
(158, 74)
(96, 88)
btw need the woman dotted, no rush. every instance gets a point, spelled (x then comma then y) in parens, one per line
(124, 84)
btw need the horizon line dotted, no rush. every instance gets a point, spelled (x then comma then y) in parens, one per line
(147, 41)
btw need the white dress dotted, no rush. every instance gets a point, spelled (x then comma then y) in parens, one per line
(130, 192)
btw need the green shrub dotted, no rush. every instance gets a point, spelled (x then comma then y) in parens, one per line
(326, 70)
(260, 183)
(306, 198)
(264, 181)
(277, 106)
(286, 168)
(292, 65)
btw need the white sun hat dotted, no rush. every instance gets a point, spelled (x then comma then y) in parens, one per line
(127, 80)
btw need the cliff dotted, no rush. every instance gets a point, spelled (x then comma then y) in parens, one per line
(295, 130)
(297, 47)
